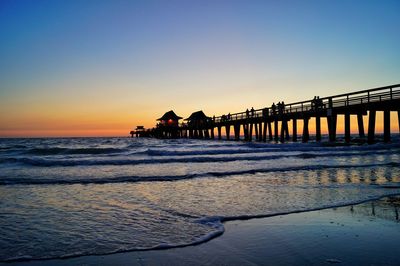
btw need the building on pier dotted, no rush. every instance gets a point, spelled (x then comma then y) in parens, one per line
(168, 126)
(198, 125)
(140, 131)
(169, 119)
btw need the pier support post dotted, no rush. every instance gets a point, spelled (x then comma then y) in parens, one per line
(236, 127)
(219, 132)
(256, 130)
(227, 130)
(386, 126)
(284, 130)
(306, 134)
(196, 134)
(332, 121)
(347, 127)
(318, 128)
(212, 132)
(371, 126)
(294, 130)
(287, 136)
(398, 119)
(276, 129)
(250, 137)
(201, 133)
(360, 125)
(264, 137)
(269, 130)
(206, 133)
(260, 131)
(245, 132)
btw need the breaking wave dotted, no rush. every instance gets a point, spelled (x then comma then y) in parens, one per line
(131, 179)
(66, 151)
(44, 162)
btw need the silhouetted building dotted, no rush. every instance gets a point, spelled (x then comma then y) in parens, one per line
(140, 131)
(169, 119)
(168, 126)
(198, 119)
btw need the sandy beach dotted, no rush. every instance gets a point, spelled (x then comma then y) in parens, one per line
(364, 234)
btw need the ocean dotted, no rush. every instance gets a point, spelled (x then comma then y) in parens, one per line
(66, 197)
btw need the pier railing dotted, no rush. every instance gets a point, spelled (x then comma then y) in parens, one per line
(343, 100)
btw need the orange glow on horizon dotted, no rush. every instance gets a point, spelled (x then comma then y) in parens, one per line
(106, 127)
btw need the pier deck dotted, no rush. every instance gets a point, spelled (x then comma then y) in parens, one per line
(271, 123)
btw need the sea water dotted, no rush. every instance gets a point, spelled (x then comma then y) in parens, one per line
(63, 197)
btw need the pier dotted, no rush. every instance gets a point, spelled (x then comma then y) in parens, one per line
(272, 123)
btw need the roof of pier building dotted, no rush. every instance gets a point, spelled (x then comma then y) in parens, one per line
(170, 115)
(198, 116)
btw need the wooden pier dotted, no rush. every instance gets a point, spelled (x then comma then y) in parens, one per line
(271, 123)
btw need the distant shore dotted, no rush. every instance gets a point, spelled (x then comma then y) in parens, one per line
(363, 234)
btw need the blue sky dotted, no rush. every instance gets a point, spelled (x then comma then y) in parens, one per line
(102, 65)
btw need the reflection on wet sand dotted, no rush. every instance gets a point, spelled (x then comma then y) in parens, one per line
(386, 208)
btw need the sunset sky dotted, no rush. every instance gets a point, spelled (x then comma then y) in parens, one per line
(99, 68)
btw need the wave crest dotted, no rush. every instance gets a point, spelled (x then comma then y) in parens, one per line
(61, 151)
(132, 179)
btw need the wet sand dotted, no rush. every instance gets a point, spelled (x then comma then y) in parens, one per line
(364, 234)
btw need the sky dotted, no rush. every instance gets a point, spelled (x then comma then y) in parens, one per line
(100, 68)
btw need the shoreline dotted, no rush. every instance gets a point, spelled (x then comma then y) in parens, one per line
(125, 257)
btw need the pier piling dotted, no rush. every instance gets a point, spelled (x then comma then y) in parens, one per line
(318, 127)
(276, 129)
(227, 131)
(386, 126)
(347, 127)
(332, 122)
(360, 125)
(306, 134)
(294, 130)
(371, 126)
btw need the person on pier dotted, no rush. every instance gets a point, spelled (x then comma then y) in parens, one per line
(247, 113)
(319, 103)
(252, 112)
(273, 109)
(281, 107)
(314, 103)
(229, 116)
(265, 112)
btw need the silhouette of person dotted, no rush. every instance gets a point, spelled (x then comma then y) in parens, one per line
(319, 103)
(247, 112)
(252, 111)
(314, 102)
(229, 116)
(273, 108)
